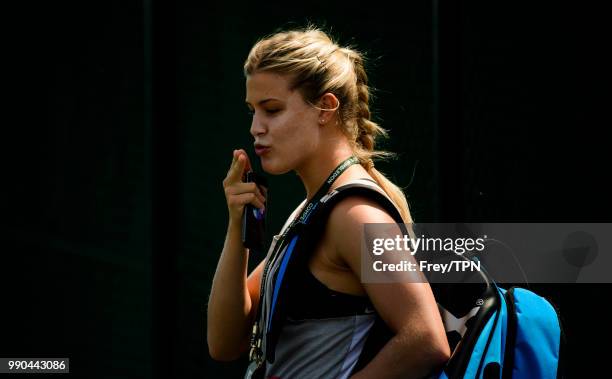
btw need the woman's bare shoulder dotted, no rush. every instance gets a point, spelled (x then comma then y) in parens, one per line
(358, 209)
(348, 217)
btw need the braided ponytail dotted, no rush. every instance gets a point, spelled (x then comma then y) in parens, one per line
(367, 132)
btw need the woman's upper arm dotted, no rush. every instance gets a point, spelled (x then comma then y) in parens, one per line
(403, 306)
(253, 281)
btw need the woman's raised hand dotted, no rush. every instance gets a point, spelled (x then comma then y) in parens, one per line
(237, 192)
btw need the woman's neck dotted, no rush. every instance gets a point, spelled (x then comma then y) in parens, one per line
(317, 169)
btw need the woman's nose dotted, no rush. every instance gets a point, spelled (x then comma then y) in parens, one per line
(257, 127)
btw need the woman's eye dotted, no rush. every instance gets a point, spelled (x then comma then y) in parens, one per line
(269, 111)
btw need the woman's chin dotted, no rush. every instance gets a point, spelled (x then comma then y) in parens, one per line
(272, 168)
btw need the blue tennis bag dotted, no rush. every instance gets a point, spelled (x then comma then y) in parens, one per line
(512, 333)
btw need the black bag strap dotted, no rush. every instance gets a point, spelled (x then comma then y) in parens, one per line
(360, 187)
(313, 230)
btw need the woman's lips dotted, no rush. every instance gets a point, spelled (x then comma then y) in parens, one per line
(261, 150)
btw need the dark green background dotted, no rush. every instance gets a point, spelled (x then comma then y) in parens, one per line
(122, 115)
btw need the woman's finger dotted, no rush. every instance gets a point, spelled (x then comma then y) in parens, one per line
(247, 161)
(239, 188)
(246, 198)
(236, 171)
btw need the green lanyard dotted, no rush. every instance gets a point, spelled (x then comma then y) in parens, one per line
(255, 353)
(312, 204)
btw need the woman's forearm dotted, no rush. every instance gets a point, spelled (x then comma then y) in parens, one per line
(229, 304)
(406, 356)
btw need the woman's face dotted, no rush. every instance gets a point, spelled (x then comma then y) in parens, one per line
(282, 121)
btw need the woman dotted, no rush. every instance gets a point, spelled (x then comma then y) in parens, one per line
(309, 100)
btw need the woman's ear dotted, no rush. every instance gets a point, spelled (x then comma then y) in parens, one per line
(328, 103)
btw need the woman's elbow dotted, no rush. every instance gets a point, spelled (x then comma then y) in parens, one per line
(221, 357)
(219, 354)
(441, 356)
(439, 353)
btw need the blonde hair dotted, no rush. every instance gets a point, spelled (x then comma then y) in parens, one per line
(316, 65)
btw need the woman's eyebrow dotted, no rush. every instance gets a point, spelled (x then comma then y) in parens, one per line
(263, 101)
